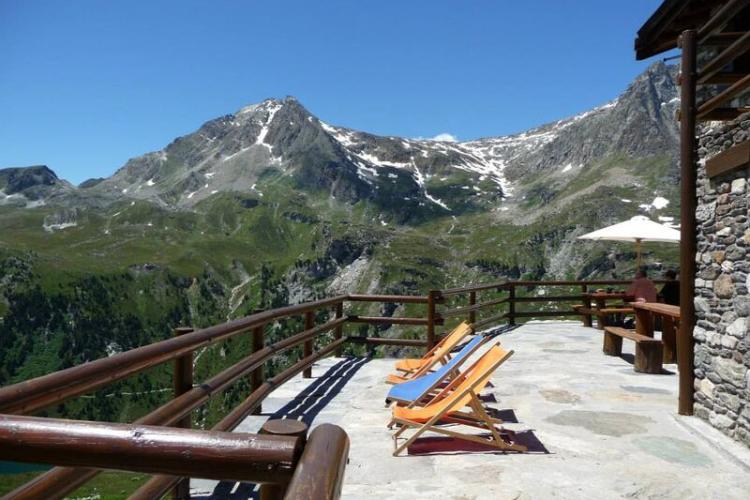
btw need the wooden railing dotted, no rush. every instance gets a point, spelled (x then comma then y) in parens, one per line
(509, 301)
(315, 470)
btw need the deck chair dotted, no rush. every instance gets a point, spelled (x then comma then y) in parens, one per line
(413, 368)
(416, 389)
(448, 408)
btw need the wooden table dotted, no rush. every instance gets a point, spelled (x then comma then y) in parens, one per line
(645, 312)
(599, 307)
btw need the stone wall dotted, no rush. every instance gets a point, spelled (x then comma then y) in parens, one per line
(722, 341)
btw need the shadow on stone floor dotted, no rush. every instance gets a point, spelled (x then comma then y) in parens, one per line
(304, 407)
(630, 359)
(439, 445)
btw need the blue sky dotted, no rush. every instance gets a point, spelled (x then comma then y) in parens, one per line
(85, 85)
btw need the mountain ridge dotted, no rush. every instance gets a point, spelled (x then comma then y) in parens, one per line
(280, 137)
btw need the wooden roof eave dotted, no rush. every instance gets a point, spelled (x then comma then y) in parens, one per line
(660, 32)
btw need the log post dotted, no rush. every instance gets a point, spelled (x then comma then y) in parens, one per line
(644, 322)
(257, 378)
(281, 427)
(668, 338)
(512, 304)
(472, 301)
(308, 345)
(688, 181)
(183, 382)
(338, 332)
(431, 319)
(586, 305)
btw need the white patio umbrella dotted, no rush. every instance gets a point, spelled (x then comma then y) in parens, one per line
(637, 230)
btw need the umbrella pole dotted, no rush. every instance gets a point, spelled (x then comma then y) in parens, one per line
(638, 253)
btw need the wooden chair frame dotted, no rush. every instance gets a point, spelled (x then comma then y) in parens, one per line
(476, 417)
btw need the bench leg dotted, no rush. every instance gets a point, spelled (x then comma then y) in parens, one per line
(600, 321)
(669, 340)
(586, 318)
(648, 357)
(612, 344)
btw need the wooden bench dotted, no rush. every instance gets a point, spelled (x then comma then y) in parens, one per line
(601, 314)
(648, 350)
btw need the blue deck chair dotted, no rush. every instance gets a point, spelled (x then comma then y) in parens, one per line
(414, 390)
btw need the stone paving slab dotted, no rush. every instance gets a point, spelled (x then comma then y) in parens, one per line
(609, 432)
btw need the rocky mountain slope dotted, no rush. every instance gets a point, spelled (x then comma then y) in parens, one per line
(270, 205)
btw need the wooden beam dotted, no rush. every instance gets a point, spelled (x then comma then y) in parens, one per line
(737, 156)
(724, 78)
(721, 18)
(654, 29)
(725, 57)
(722, 39)
(723, 114)
(727, 95)
(149, 449)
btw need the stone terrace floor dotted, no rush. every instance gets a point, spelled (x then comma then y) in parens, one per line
(608, 432)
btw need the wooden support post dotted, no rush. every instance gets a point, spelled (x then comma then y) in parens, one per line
(512, 304)
(472, 301)
(257, 378)
(338, 332)
(586, 305)
(668, 339)
(612, 344)
(308, 345)
(281, 427)
(183, 382)
(688, 180)
(431, 319)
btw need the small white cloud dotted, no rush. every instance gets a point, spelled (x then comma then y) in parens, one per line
(445, 137)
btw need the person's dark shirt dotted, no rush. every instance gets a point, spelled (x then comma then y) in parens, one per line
(670, 292)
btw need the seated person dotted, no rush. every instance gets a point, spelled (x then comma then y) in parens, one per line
(670, 292)
(642, 288)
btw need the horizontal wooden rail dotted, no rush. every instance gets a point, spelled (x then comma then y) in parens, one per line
(726, 95)
(140, 448)
(320, 471)
(64, 479)
(387, 341)
(161, 484)
(550, 298)
(463, 310)
(532, 314)
(380, 320)
(488, 321)
(40, 392)
(399, 299)
(217, 383)
(473, 288)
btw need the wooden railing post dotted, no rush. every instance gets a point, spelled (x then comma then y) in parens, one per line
(431, 296)
(688, 232)
(512, 304)
(308, 345)
(281, 427)
(472, 301)
(338, 332)
(183, 382)
(256, 378)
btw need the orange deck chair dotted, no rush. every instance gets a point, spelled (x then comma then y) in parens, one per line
(459, 404)
(413, 368)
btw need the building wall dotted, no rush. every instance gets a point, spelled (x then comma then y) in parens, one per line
(722, 302)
